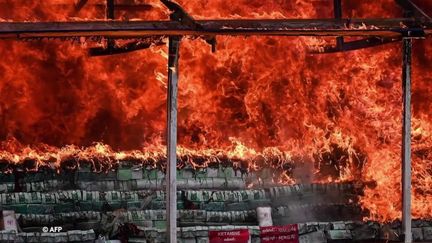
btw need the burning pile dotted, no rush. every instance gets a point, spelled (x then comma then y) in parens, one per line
(255, 102)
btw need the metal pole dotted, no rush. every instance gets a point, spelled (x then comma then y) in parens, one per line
(110, 9)
(110, 15)
(337, 5)
(406, 141)
(171, 181)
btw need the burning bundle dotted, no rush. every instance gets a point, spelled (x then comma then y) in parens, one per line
(102, 159)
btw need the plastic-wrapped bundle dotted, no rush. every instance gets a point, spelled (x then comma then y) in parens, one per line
(264, 216)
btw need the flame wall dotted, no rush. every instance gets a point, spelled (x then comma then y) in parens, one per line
(256, 95)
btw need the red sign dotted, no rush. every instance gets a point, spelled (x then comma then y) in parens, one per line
(280, 234)
(237, 236)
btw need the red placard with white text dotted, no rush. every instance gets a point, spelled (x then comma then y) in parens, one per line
(233, 236)
(280, 234)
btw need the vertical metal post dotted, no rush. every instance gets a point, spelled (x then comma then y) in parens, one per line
(171, 180)
(110, 9)
(337, 5)
(110, 15)
(406, 141)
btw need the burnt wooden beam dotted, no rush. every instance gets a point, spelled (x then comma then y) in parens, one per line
(290, 27)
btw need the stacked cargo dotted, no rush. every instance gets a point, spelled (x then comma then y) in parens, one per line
(89, 205)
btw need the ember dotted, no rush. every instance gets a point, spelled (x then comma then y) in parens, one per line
(256, 102)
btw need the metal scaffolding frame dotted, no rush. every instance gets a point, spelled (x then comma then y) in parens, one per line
(171, 174)
(282, 27)
(416, 24)
(406, 140)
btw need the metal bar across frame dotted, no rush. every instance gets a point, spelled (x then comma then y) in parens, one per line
(396, 27)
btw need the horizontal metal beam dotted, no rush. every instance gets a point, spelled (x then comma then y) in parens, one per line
(288, 27)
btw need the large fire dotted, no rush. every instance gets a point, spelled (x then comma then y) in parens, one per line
(262, 100)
